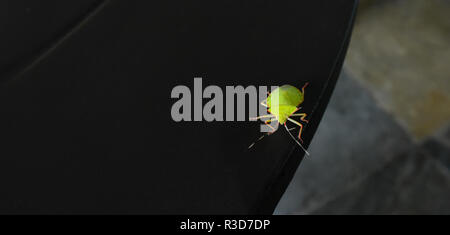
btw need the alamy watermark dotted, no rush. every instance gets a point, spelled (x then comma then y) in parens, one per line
(190, 107)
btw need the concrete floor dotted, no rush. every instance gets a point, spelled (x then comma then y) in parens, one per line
(363, 162)
(383, 146)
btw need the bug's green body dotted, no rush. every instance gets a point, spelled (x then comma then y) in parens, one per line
(282, 104)
(284, 101)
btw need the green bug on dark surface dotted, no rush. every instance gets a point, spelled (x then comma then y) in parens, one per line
(282, 104)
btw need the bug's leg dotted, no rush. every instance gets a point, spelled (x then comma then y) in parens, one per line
(263, 104)
(264, 116)
(301, 128)
(302, 115)
(271, 127)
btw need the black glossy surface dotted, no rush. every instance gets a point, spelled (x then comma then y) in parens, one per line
(88, 129)
(28, 28)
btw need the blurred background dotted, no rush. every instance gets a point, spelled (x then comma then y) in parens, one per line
(383, 146)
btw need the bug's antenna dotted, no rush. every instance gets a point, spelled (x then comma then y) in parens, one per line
(260, 138)
(296, 140)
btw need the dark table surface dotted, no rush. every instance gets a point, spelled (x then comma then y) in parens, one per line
(85, 122)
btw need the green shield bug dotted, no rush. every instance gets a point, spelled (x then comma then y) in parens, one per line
(282, 104)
